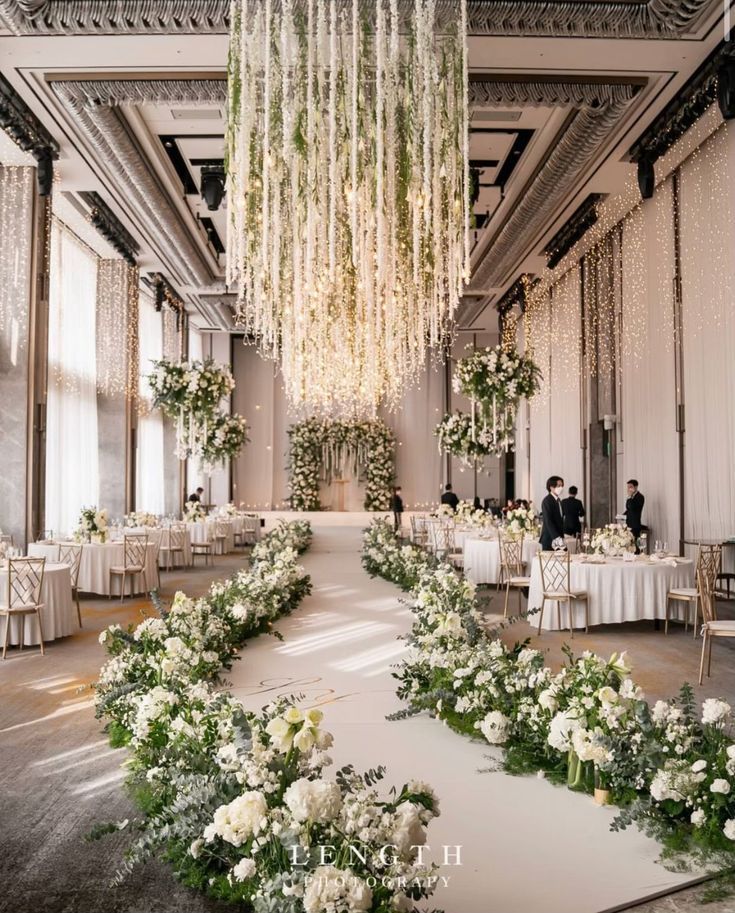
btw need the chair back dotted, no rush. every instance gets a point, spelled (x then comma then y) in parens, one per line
(25, 579)
(6, 538)
(511, 556)
(444, 537)
(221, 528)
(71, 555)
(136, 547)
(555, 576)
(177, 538)
(709, 563)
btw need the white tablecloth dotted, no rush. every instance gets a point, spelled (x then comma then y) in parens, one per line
(203, 531)
(618, 590)
(482, 558)
(163, 535)
(94, 570)
(58, 615)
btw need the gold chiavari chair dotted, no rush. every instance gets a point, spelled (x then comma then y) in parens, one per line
(135, 552)
(174, 551)
(72, 555)
(556, 587)
(445, 546)
(25, 582)
(711, 627)
(511, 560)
(419, 531)
(221, 531)
(709, 561)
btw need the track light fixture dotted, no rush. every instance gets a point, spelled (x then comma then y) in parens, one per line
(726, 89)
(213, 186)
(646, 177)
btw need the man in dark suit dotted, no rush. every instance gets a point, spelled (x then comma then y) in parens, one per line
(449, 496)
(552, 517)
(396, 505)
(634, 508)
(197, 495)
(573, 511)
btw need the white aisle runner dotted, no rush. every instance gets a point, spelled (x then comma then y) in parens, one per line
(527, 847)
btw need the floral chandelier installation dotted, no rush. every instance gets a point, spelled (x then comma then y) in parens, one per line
(190, 393)
(347, 181)
(494, 380)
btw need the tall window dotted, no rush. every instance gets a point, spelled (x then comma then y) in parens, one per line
(149, 468)
(72, 468)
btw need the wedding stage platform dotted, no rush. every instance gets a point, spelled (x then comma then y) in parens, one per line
(527, 846)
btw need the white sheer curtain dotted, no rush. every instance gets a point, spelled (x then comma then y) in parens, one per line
(72, 466)
(708, 278)
(648, 449)
(150, 490)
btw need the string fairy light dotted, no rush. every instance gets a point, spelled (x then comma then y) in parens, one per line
(348, 237)
(16, 191)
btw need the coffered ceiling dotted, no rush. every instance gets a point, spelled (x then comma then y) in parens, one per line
(134, 92)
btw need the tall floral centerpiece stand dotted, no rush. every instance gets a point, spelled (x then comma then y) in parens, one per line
(494, 380)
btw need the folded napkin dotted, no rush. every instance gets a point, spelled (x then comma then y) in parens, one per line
(668, 560)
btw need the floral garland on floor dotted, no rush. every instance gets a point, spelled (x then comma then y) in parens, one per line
(321, 449)
(190, 393)
(238, 801)
(494, 380)
(670, 769)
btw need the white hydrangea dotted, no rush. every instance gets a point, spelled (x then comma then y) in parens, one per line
(335, 889)
(313, 800)
(715, 711)
(562, 726)
(244, 817)
(244, 869)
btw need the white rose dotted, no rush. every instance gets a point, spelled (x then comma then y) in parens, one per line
(720, 786)
(495, 727)
(699, 765)
(698, 817)
(729, 829)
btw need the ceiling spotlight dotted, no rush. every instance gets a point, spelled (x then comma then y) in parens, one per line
(726, 89)
(213, 186)
(646, 178)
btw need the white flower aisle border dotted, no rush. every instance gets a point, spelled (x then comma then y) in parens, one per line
(321, 449)
(494, 380)
(237, 802)
(670, 770)
(190, 393)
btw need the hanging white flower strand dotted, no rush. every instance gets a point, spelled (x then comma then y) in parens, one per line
(348, 240)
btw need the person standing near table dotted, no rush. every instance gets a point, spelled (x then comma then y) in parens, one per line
(552, 516)
(396, 505)
(449, 497)
(634, 508)
(573, 511)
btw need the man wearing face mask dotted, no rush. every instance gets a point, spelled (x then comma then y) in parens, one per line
(552, 516)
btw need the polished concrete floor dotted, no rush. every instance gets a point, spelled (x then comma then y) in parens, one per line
(59, 777)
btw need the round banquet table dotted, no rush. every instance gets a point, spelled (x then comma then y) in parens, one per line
(617, 590)
(162, 535)
(203, 531)
(482, 558)
(58, 615)
(94, 570)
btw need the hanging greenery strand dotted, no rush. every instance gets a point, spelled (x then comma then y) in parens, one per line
(347, 171)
